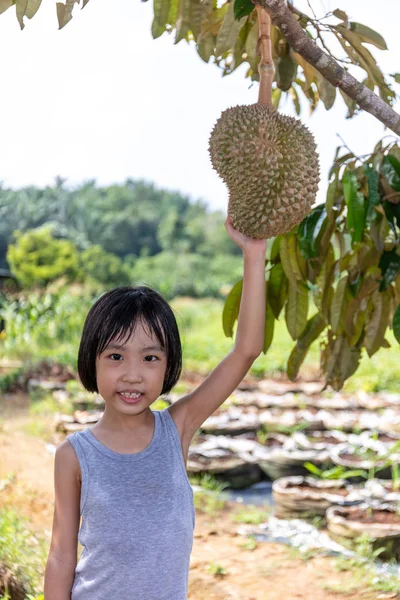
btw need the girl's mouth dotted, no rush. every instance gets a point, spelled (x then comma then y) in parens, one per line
(130, 400)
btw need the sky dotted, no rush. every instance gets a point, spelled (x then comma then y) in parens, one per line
(100, 99)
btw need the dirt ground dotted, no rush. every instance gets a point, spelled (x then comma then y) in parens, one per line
(271, 571)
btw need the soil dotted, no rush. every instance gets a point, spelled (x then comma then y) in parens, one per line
(384, 437)
(270, 571)
(332, 490)
(324, 439)
(359, 459)
(385, 517)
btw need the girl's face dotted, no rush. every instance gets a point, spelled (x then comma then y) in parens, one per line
(125, 368)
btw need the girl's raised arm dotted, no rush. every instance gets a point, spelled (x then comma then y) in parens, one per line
(62, 559)
(192, 410)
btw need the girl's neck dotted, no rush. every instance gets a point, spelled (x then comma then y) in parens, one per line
(120, 423)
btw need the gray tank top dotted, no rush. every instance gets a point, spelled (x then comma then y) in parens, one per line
(138, 518)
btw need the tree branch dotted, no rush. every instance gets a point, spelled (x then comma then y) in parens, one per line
(266, 68)
(282, 17)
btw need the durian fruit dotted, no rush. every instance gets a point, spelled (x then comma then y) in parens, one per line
(269, 162)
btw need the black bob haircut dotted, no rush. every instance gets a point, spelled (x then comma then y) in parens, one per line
(114, 317)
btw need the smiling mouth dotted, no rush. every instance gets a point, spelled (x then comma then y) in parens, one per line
(130, 398)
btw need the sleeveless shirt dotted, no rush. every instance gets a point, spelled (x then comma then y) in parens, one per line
(138, 518)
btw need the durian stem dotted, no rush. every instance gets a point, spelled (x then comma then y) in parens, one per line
(266, 67)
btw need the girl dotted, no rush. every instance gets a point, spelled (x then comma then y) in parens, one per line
(126, 476)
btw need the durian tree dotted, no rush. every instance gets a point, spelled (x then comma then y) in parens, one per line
(334, 275)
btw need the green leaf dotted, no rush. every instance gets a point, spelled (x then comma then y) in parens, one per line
(26, 8)
(292, 260)
(242, 8)
(5, 4)
(340, 14)
(296, 309)
(396, 76)
(339, 361)
(269, 324)
(205, 46)
(309, 230)
(378, 231)
(64, 12)
(396, 324)
(228, 33)
(286, 70)
(389, 265)
(276, 97)
(310, 73)
(392, 212)
(275, 248)
(373, 192)
(323, 297)
(313, 330)
(356, 213)
(327, 91)
(183, 21)
(377, 323)
(313, 469)
(391, 170)
(354, 473)
(361, 56)
(350, 103)
(231, 308)
(251, 46)
(32, 8)
(338, 305)
(368, 35)
(295, 98)
(161, 11)
(21, 6)
(277, 289)
(331, 196)
(199, 11)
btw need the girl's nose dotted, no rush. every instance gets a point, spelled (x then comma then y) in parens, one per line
(132, 375)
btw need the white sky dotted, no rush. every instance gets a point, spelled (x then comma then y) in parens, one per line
(101, 99)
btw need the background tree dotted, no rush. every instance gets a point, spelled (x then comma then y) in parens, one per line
(37, 258)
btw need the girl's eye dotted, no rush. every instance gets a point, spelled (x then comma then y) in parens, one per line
(111, 356)
(151, 356)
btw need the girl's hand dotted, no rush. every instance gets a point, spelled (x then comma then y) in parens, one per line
(246, 243)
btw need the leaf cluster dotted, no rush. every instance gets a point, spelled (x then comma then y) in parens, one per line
(228, 34)
(29, 8)
(343, 263)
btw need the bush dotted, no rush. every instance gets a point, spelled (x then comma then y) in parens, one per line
(187, 274)
(36, 258)
(102, 267)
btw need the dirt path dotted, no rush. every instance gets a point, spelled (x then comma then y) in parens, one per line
(268, 572)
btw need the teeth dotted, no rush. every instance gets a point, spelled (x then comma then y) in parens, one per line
(128, 395)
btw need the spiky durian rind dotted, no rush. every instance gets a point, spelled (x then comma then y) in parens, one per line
(270, 165)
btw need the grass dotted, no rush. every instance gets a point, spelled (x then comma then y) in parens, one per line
(207, 499)
(23, 552)
(251, 515)
(249, 544)
(217, 570)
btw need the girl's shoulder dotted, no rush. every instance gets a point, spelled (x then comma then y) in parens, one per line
(66, 458)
